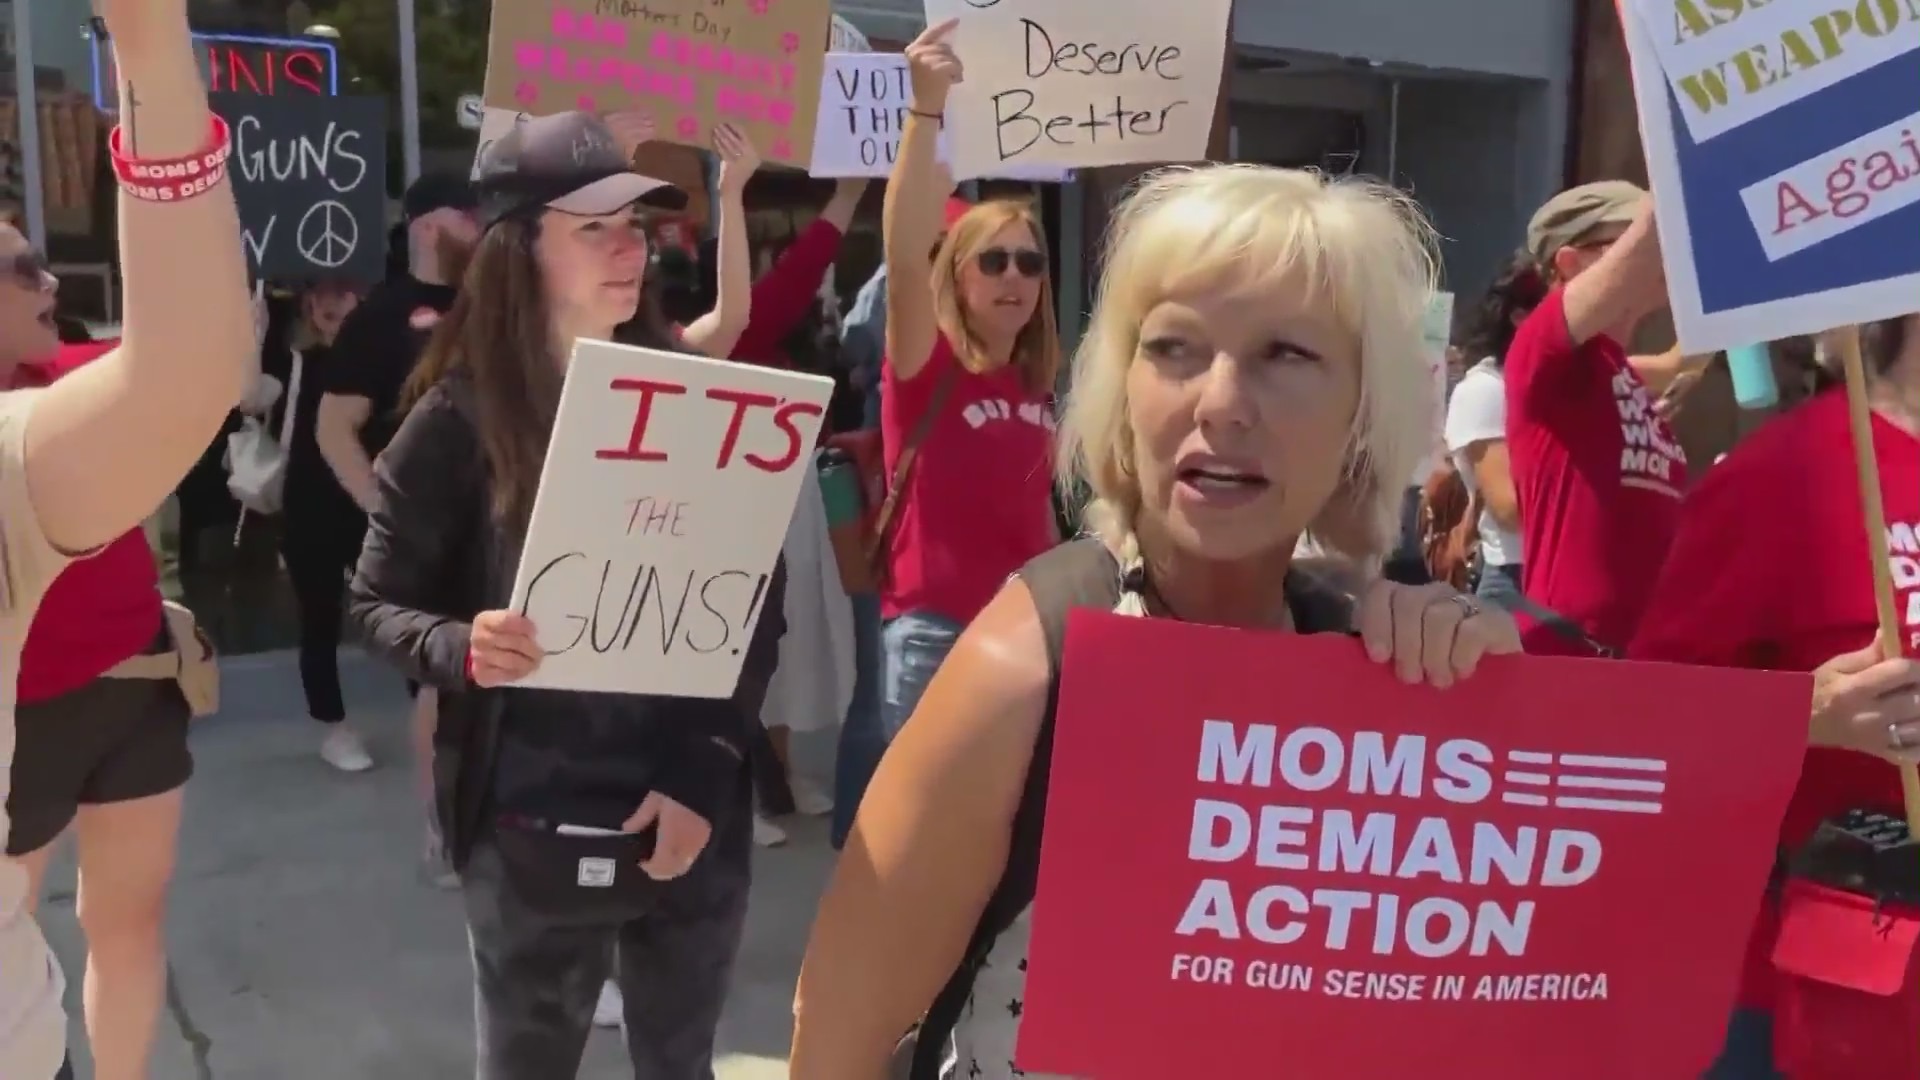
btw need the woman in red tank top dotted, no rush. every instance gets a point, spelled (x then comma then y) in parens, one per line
(966, 403)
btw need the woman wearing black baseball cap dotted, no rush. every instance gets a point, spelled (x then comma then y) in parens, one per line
(533, 787)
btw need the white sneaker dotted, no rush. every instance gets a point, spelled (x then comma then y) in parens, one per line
(766, 833)
(611, 1010)
(808, 798)
(343, 749)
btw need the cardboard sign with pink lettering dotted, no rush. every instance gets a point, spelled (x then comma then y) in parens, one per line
(663, 505)
(1783, 144)
(755, 64)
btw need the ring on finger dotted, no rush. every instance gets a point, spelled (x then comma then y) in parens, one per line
(1895, 738)
(1467, 605)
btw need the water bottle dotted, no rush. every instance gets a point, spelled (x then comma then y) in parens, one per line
(1753, 383)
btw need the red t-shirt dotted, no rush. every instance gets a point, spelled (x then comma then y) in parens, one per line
(978, 503)
(100, 610)
(1598, 476)
(1770, 570)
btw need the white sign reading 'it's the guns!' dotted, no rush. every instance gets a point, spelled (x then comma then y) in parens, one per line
(1082, 83)
(662, 508)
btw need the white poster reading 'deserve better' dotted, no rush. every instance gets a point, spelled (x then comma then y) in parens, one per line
(1079, 84)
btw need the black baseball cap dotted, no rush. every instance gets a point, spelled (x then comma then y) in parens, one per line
(436, 191)
(568, 162)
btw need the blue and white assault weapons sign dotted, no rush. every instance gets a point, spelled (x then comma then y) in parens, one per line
(1783, 145)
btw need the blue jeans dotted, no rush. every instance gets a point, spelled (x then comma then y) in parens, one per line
(1748, 1054)
(862, 739)
(915, 644)
(909, 650)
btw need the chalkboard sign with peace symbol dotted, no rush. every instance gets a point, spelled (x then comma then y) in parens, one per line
(310, 175)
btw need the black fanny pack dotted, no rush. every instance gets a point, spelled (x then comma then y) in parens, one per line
(573, 874)
(1863, 852)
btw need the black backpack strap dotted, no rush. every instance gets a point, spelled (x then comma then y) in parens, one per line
(1074, 575)
(1566, 628)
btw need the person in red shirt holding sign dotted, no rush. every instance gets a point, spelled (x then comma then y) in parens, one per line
(1598, 474)
(1769, 569)
(966, 409)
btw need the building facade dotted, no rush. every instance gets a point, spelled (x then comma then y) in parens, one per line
(1470, 105)
(1467, 104)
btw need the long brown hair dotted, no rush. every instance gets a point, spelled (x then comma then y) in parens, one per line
(1036, 350)
(498, 338)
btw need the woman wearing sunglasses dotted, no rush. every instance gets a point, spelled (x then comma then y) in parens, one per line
(965, 398)
(82, 463)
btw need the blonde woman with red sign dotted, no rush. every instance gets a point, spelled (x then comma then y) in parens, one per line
(1253, 373)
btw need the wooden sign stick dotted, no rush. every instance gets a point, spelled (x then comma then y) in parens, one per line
(1867, 468)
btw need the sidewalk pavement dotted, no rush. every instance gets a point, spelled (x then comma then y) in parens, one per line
(307, 946)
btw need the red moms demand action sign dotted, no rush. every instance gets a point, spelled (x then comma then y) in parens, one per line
(1264, 856)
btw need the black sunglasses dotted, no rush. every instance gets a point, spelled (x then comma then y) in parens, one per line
(30, 269)
(994, 261)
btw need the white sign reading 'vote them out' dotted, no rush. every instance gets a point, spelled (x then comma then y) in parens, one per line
(662, 509)
(1080, 83)
(865, 99)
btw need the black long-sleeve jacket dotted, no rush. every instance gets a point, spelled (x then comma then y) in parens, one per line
(435, 556)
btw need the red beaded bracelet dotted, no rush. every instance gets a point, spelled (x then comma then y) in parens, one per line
(172, 179)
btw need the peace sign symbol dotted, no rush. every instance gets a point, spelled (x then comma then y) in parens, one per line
(328, 234)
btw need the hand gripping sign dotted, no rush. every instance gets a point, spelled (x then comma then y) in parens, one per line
(662, 507)
(1266, 856)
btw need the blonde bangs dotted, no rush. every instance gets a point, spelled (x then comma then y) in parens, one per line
(1364, 251)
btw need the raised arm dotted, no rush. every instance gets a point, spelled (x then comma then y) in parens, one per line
(927, 849)
(1623, 286)
(784, 295)
(718, 331)
(910, 216)
(107, 444)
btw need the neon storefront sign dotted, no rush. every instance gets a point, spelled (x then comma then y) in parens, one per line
(242, 64)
